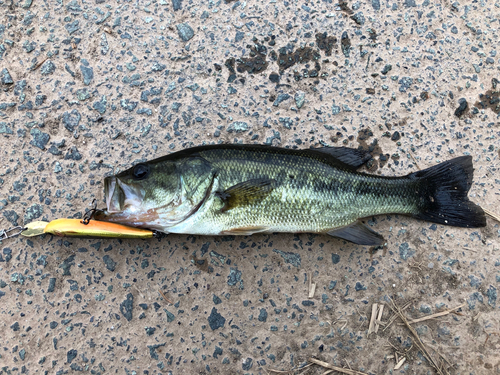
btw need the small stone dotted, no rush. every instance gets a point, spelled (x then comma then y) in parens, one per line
(29, 46)
(359, 287)
(88, 74)
(300, 98)
(281, 98)
(247, 364)
(128, 105)
(73, 7)
(359, 18)
(239, 36)
(405, 83)
(405, 252)
(71, 120)
(396, 136)
(177, 4)
(274, 77)
(40, 139)
(83, 94)
(127, 306)
(289, 257)
(387, 69)
(216, 300)
(5, 129)
(11, 217)
(71, 355)
(48, 67)
(110, 263)
(217, 352)
(157, 67)
(216, 320)
(185, 31)
(72, 27)
(345, 43)
(263, 315)
(6, 77)
(462, 107)
(234, 278)
(376, 4)
(335, 258)
(73, 154)
(238, 127)
(40, 99)
(33, 212)
(101, 105)
(104, 44)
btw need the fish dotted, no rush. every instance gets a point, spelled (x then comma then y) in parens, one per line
(242, 189)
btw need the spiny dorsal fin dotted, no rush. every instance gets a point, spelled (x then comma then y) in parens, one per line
(359, 234)
(246, 192)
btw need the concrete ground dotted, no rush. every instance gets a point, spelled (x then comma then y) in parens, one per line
(91, 87)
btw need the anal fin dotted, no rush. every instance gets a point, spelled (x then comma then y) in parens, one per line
(359, 234)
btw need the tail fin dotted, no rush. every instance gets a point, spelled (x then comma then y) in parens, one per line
(443, 194)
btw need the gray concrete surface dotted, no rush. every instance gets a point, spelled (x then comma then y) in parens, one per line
(90, 87)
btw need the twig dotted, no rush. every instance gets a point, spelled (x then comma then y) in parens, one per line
(336, 368)
(419, 342)
(164, 297)
(442, 313)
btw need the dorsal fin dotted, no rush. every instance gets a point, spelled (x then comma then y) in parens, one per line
(351, 157)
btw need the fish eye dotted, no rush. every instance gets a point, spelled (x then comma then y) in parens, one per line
(141, 171)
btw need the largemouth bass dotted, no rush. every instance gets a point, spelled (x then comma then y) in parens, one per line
(246, 189)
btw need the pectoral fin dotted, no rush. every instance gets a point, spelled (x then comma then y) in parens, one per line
(246, 192)
(359, 234)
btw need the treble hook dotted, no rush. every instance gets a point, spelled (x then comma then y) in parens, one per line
(4, 233)
(89, 215)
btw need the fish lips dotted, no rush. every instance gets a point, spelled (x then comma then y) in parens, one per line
(120, 196)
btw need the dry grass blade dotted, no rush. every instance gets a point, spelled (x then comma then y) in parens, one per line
(379, 317)
(312, 288)
(395, 316)
(400, 363)
(40, 63)
(371, 326)
(335, 368)
(436, 315)
(164, 297)
(492, 214)
(420, 344)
